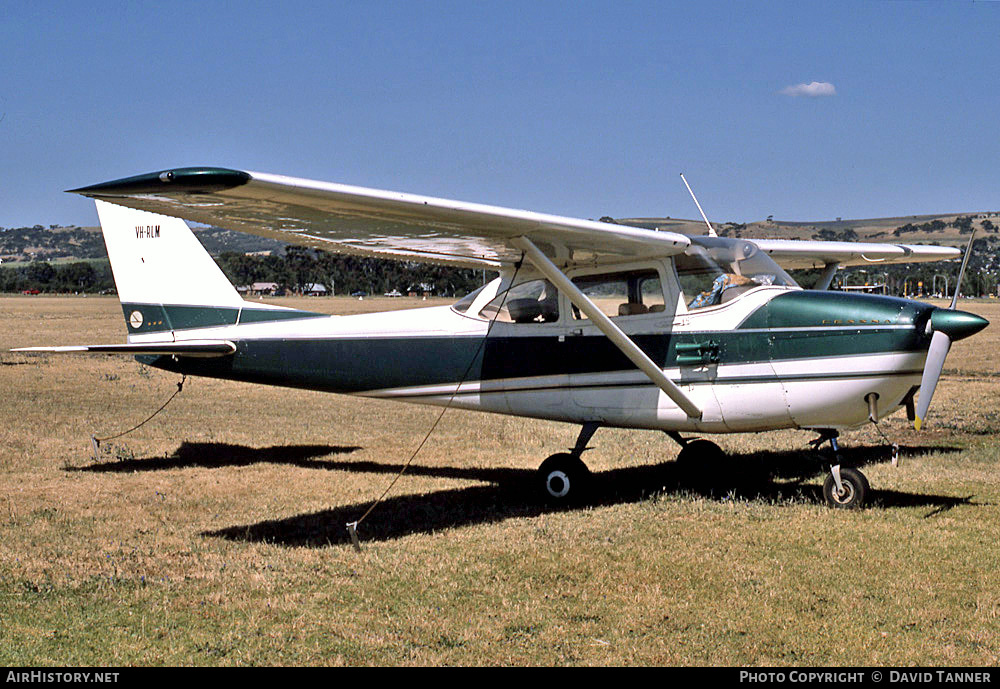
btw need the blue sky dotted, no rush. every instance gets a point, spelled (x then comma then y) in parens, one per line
(577, 108)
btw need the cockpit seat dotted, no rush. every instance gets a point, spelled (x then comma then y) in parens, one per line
(632, 309)
(524, 310)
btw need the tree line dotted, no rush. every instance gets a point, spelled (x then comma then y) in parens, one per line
(42, 276)
(300, 267)
(293, 272)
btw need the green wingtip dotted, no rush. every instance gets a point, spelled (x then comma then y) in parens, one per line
(183, 179)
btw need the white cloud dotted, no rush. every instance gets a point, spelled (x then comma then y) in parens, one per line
(814, 89)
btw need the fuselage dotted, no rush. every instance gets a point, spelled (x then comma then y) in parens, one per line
(773, 357)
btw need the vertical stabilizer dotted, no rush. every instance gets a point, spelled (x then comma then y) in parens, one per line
(165, 278)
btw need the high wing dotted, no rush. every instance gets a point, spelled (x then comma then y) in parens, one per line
(792, 253)
(387, 224)
(372, 222)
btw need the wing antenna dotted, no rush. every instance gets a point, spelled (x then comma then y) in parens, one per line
(711, 230)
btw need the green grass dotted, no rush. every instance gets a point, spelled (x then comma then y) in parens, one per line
(215, 534)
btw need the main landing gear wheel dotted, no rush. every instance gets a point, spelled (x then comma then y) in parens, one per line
(704, 465)
(564, 479)
(700, 454)
(853, 492)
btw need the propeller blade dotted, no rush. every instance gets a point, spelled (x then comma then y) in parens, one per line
(947, 324)
(940, 344)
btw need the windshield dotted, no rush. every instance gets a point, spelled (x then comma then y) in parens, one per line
(463, 304)
(532, 301)
(715, 270)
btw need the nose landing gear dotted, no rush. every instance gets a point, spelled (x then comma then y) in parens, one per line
(845, 488)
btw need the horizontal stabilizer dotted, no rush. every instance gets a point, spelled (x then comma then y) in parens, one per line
(192, 348)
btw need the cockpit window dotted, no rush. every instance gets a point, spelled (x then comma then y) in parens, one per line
(630, 293)
(715, 270)
(535, 301)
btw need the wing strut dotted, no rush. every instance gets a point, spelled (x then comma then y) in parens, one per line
(606, 326)
(826, 279)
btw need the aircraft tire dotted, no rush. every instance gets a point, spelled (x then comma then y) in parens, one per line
(701, 452)
(855, 493)
(701, 463)
(564, 479)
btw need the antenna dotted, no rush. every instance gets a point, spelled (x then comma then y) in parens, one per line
(711, 230)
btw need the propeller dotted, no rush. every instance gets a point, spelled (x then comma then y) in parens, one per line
(946, 325)
(940, 344)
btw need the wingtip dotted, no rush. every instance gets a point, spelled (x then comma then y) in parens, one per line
(187, 179)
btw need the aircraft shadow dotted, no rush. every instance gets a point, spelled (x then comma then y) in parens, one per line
(777, 477)
(218, 455)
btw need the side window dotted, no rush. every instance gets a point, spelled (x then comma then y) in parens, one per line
(652, 292)
(630, 293)
(536, 301)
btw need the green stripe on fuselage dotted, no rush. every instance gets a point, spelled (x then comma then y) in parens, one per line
(359, 365)
(163, 317)
(794, 325)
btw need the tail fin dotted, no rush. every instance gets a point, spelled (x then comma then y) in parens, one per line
(166, 280)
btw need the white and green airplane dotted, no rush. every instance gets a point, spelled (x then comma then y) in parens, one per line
(590, 323)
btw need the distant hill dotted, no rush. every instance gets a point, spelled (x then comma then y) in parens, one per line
(55, 243)
(951, 229)
(56, 259)
(947, 229)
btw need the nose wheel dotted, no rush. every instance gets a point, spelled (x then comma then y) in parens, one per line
(846, 488)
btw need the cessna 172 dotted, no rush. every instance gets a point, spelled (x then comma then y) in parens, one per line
(590, 323)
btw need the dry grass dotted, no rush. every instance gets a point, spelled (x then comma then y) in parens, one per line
(215, 534)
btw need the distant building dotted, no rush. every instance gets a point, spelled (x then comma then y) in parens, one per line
(263, 288)
(423, 289)
(314, 289)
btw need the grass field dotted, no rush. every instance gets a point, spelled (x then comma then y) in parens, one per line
(214, 535)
